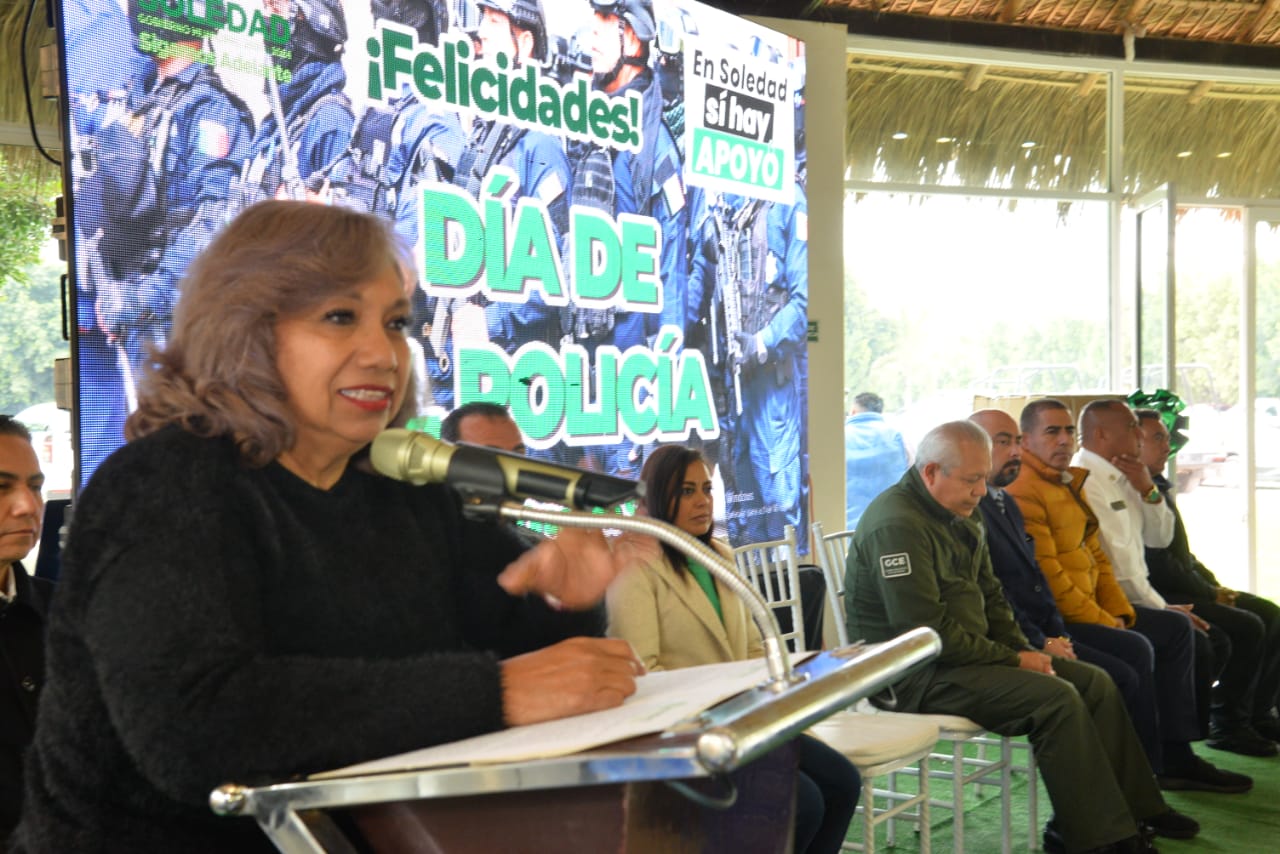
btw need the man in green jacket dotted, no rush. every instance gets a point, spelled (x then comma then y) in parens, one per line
(920, 558)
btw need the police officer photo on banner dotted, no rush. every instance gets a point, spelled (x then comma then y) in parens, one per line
(605, 203)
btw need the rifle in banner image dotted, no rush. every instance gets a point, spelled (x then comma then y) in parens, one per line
(732, 269)
(290, 173)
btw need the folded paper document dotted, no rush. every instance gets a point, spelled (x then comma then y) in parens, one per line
(661, 701)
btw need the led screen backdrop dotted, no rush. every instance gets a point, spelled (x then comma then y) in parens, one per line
(605, 200)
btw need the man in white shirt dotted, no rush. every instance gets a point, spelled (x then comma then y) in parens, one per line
(1131, 512)
(1132, 515)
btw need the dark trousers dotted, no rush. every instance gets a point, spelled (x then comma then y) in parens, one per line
(1213, 651)
(827, 790)
(1173, 638)
(1161, 649)
(1130, 662)
(1268, 691)
(1093, 767)
(1238, 638)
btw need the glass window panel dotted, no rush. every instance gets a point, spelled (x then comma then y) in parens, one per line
(1207, 138)
(1209, 245)
(1153, 249)
(960, 123)
(950, 297)
(1267, 407)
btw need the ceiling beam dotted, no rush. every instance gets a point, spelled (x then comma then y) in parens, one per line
(1135, 10)
(1197, 93)
(973, 77)
(1265, 11)
(1089, 83)
(12, 133)
(1009, 11)
(1041, 40)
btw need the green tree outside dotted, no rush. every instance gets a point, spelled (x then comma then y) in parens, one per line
(30, 305)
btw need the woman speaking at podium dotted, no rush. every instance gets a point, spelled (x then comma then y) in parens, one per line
(675, 614)
(242, 599)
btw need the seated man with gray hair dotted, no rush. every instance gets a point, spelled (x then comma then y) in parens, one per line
(920, 558)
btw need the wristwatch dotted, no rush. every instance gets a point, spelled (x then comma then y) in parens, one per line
(1152, 497)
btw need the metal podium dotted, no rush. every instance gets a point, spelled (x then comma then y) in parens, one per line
(700, 763)
(640, 795)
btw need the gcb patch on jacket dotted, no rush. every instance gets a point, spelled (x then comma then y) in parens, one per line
(895, 565)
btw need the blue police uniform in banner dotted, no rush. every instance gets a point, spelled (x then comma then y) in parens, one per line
(89, 26)
(98, 95)
(649, 183)
(543, 174)
(663, 199)
(156, 197)
(318, 120)
(704, 324)
(425, 145)
(768, 448)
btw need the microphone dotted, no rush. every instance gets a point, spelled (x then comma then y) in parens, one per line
(491, 473)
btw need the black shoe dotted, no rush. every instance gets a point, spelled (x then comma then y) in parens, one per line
(1268, 728)
(1243, 740)
(1172, 824)
(1200, 776)
(1133, 845)
(1053, 841)
(1140, 844)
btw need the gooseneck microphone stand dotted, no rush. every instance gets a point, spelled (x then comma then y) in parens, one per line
(775, 651)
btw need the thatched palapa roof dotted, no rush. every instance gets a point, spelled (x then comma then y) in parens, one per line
(13, 109)
(1208, 138)
(1225, 132)
(1252, 22)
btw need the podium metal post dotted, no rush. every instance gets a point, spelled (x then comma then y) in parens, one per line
(718, 741)
(775, 651)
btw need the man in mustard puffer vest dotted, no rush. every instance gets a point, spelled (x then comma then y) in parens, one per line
(1049, 492)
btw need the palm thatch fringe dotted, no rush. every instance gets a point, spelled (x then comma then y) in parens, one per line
(13, 108)
(1046, 130)
(1243, 21)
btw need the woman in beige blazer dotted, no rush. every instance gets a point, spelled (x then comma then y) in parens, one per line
(675, 614)
(670, 619)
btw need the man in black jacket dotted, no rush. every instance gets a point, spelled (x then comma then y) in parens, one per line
(1247, 690)
(22, 609)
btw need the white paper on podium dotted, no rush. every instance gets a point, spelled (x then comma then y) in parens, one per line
(661, 701)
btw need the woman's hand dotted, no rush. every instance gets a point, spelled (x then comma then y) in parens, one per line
(573, 569)
(572, 677)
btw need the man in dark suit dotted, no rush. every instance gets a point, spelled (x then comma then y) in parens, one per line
(22, 609)
(1013, 558)
(1248, 687)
